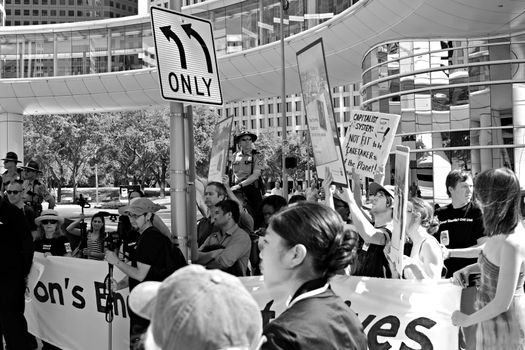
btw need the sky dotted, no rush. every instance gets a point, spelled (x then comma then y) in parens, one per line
(143, 7)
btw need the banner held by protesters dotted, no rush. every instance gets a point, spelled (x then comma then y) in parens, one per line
(368, 141)
(68, 307)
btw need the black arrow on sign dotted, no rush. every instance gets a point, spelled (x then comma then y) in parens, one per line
(191, 32)
(182, 54)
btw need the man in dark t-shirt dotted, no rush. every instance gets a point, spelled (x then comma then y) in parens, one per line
(155, 257)
(464, 222)
(462, 219)
(465, 229)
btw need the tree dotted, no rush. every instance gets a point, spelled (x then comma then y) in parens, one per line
(64, 144)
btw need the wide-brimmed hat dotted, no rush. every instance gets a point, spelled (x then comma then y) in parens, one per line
(11, 157)
(387, 189)
(139, 206)
(49, 214)
(246, 133)
(195, 308)
(32, 165)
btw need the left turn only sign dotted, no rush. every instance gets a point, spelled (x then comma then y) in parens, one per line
(185, 57)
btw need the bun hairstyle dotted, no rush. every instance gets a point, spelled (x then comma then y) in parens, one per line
(321, 230)
(499, 195)
(425, 211)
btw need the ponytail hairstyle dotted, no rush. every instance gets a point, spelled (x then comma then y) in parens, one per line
(321, 230)
(499, 195)
(425, 212)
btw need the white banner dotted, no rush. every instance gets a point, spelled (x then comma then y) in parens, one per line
(68, 308)
(68, 305)
(396, 314)
(368, 141)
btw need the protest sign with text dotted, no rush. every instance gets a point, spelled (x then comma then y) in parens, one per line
(400, 207)
(368, 141)
(68, 307)
(219, 149)
(320, 112)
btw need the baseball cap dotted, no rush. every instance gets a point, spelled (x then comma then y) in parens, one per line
(195, 308)
(374, 187)
(139, 206)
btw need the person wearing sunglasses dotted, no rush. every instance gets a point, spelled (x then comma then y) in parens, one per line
(14, 194)
(16, 256)
(51, 239)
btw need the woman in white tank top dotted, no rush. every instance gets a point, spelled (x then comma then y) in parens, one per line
(426, 260)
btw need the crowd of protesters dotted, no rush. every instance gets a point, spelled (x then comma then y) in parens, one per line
(297, 245)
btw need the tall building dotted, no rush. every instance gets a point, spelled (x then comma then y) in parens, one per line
(460, 101)
(31, 12)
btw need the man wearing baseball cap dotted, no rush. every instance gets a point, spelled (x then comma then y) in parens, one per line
(371, 260)
(12, 173)
(195, 308)
(155, 257)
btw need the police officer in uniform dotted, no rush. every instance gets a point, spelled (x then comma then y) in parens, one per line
(247, 168)
(34, 191)
(12, 173)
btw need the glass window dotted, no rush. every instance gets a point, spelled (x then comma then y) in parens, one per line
(63, 42)
(261, 109)
(297, 106)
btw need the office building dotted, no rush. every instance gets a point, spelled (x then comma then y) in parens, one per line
(33, 12)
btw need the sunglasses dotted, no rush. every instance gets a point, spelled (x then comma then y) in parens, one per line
(13, 192)
(246, 139)
(47, 222)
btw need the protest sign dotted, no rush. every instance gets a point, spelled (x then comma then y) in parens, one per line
(219, 149)
(68, 307)
(396, 314)
(400, 208)
(368, 141)
(319, 112)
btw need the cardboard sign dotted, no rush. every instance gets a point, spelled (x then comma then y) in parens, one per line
(368, 141)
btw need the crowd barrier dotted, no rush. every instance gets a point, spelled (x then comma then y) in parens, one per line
(68, 308)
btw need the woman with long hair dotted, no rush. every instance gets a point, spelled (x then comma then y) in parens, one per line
(305, 244)
(51, 239)
(94, 236)
(500, 300)
(426, 259)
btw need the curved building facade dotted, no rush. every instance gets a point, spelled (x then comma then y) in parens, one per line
(461, 101)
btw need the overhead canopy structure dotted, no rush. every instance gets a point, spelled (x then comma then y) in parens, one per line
(255, 73)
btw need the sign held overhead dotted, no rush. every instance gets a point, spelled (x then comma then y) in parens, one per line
(186, 59)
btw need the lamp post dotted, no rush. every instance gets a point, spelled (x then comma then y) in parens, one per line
(284, 7)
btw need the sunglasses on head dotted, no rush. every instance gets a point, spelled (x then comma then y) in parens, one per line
(13, 192)
(46, 222)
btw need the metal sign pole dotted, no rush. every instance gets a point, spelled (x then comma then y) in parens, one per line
(178, 167)
(283, 105)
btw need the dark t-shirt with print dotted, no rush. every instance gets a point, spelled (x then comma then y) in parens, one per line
(465, 227)
(58, 246)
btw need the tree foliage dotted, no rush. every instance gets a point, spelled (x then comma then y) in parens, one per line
(127, 147)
